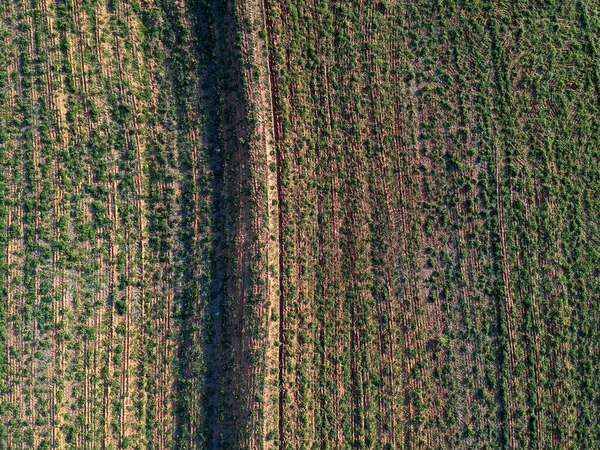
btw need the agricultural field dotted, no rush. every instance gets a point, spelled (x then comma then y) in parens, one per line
(299, 224)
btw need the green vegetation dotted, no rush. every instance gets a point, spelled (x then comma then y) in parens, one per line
(299, 224)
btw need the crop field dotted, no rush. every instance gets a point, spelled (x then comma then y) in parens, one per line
(299, 224)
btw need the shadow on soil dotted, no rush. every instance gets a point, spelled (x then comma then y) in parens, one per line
(205, 74)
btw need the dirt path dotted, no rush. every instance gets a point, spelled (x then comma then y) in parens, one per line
(259, 85)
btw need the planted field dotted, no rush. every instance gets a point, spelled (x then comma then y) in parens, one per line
(299, 224)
